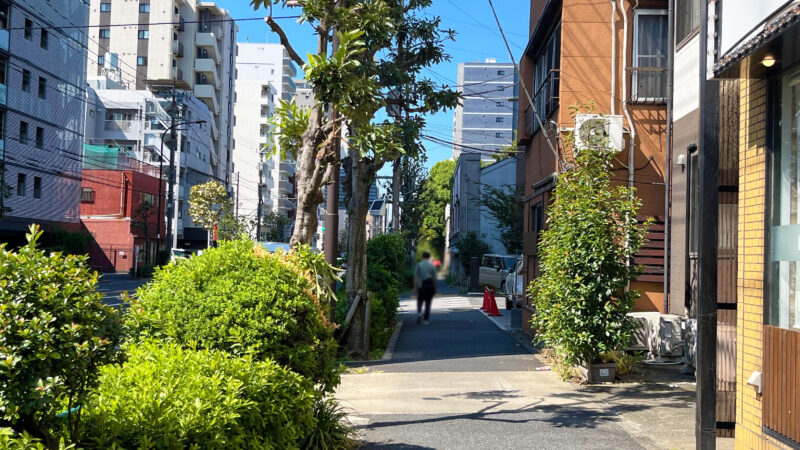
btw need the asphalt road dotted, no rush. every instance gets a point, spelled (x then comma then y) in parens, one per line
(112, 285)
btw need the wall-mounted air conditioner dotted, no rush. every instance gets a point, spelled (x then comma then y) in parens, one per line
(596, 131)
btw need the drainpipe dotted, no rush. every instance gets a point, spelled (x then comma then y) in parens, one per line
(613, 58)
(625, 91)
(668, 177)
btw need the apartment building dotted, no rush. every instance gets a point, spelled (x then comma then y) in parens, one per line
(263, 78)
(188, 45)
(486, 120)
(42, 89)
(133, 124)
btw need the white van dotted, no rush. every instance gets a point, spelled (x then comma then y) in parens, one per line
(494, 270)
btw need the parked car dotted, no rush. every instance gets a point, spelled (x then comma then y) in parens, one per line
(494, 270)
(179, 253)
(515, 287)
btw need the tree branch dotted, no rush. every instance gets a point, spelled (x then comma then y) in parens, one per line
(285, 42)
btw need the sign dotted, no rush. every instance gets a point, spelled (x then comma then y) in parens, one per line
(215, 232)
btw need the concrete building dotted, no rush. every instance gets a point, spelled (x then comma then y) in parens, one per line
(134, 121)
(264, 77)
(188, 45)
(304, 95)
(42, 99)
(487, 118)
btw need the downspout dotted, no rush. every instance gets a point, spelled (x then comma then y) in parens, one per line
(613, 58)
(625, 91)
(668, 175)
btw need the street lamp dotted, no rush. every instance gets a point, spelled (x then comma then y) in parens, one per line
(170, 197)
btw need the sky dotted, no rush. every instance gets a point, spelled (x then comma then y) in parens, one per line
(477, 38)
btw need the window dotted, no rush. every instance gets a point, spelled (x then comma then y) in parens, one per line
(144, 7)
(649, 76)
(28, 30)
(141, 61)
(498, 119)
(42, 87)
(105, 7)
(39, 137)
(101, 60)
(21, 184)
(37, 187)
(500, 88)
(687, 19)
(26, 80)
(87, 195)
(501, 104)
(501, 72)
(105, 33)
(545, 78)
(147, 199)
(783, 306)
(23, 133)
(43, 39)
(498, 135)
(144, 34)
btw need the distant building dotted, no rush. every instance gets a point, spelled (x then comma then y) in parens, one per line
(305, 96)
(485, 121)
(42, 100)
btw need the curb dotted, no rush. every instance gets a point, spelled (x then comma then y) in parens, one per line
(496, 322)
(389, 352)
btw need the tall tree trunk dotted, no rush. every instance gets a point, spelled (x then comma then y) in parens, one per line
(362, 175)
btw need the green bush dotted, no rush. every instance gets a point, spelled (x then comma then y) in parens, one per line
(331, 430)
(166, 397)
(9, 440)
(236, 299)
(142, 272)
(386, 256)
(68, 242)
(55, 333)
(471, 246)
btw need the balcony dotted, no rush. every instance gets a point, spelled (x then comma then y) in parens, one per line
(208, 40)
(177, 48)
(123, 126)
(178, 22)
(4, 40)
(208, 95)
(287, 168)
(207, 67)
(545, 101)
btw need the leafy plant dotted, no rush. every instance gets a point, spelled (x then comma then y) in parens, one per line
(437, 194)
(209, 205)
(332, 430)
(273, 226)
(471, 246)
(582, 296)
(505, 208)
(9, 440)
(239, 300)
(385, 261)
(168, 397)
(312, 264)
(68, 242)
(55, 335)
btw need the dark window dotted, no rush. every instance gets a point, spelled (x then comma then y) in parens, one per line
(687, 18)
(23, 133)
(141, 61)
(648, 77)
(498, 119)
(28, 31)
(500, 104)
(43, 39)
(144, 7)
(21, 184)
(500, 88)
(101, 60)
(26, 80)
(39, 137)
(105, 33)
(498, 135)
(37, 187)
(42, 87)
(105, 7)
(144, 34)
(545, 78)
(501, 72)
(87, 195)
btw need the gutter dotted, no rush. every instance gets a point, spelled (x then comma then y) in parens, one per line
(668, 174)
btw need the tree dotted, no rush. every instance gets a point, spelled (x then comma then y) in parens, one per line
(413, 178)
(582, 297)
(505, 208)
(508, 151)
(435, 197)
(142, 215)
(469, 247)
(274, 226)
(209, 205)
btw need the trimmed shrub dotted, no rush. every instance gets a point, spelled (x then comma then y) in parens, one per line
(55, 333)
(385, 260)
(235, 299)
(167, 397)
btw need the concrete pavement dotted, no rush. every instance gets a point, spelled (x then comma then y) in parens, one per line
(463, 383)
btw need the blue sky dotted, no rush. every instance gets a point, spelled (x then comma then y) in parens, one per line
(477, 39)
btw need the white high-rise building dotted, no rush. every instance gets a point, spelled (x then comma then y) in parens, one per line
(186, 44)
(264, 77)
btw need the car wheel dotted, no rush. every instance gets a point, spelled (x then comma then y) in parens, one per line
(509, 304)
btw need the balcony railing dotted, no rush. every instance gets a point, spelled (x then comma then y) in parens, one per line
(545, 100)
(648, 84)
(125, 126)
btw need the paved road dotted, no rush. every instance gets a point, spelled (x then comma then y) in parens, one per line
(462, 383)
(112, 285)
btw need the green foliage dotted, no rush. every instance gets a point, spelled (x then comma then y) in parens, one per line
(312, 264)
(508, 151)
(68, 242)
(142, 271)
(273, 226)
(332, 430)
(288, 123)
(581, 298)
(9, 440)
(209, 205)
(626, 362)
(437, 195)
(56, 333)
(413, 176)
(239, 300)
(385, 260)
(168, 397)
(505, 207)
(471, 246)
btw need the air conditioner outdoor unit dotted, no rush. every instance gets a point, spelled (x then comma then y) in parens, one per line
(597, 130)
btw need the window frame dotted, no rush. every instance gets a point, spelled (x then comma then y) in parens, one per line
(499, 119)
(141, 61)
(101, 60)
(145, 7)
(44, 39)
(499, 135)
(38, 138)
(22, 184)
(633, 79)
(104, 31)
(37, 187)
(144, 35)
(106, 5)
(26, 81)
(23, 135)
(42, 88)
(27, 31)
(680, 41)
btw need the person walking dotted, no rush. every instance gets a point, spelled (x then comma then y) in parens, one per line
(424, 286)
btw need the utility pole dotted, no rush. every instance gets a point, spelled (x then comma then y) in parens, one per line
(171, 173)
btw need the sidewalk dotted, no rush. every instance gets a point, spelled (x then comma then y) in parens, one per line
(463, 383)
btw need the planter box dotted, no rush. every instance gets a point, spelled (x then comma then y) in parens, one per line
(600, 372)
